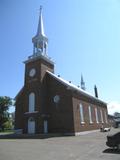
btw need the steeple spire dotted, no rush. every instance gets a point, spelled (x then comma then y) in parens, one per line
(82, 83)
(40, 41)
(40, 30)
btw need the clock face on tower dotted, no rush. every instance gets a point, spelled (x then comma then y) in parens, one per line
(32, 72)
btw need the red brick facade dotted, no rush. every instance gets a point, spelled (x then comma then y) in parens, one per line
(63, 116)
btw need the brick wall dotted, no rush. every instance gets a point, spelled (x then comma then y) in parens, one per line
(87, 125)
(61, 114)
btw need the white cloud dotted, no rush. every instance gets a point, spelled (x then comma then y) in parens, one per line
(113, 107)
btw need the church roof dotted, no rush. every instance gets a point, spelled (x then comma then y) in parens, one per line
(74, 87)
(70, 87)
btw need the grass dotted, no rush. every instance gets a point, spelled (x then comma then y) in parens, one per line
(7, 131)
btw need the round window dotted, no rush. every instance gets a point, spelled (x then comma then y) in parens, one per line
(56, 98)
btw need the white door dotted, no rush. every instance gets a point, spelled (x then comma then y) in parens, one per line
(31, 127)
(45, 126)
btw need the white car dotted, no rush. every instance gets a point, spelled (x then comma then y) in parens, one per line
(102, 129)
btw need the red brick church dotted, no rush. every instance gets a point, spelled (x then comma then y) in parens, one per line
(49, 104)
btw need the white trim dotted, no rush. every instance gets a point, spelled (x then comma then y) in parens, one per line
(72, 86)
(33, 58)
(91, 122)
(31, 112)
(82, 122)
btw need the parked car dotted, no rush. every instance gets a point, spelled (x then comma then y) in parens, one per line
(113, 140)
(104, 129)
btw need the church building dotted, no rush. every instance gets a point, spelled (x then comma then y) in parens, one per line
(49, 104)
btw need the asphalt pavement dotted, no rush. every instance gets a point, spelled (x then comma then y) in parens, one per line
(91, 146)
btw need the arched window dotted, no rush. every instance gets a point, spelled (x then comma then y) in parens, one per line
(31, 102)
(90, 114)
(106, 118)
(96, 114)
(81, 114)
(101, 113)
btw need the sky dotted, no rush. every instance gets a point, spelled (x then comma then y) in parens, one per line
(84, 38)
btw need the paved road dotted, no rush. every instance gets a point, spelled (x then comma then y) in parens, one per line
(84, 147)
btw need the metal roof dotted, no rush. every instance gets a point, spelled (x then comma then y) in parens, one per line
(72, 86)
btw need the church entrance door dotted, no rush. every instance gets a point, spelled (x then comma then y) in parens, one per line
(45, 126)
(31, 126)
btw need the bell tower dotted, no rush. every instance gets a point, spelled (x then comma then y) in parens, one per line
(40, 41)
(35, 82)
(37, 64)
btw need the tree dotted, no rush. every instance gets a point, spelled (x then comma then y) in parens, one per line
(5, 103)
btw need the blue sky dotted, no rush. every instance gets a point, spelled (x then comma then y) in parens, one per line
(84, 37)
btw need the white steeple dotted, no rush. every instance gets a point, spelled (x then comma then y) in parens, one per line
(40, 41)
(40, 30)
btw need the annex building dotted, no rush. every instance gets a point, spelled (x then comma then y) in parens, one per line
(49, 104)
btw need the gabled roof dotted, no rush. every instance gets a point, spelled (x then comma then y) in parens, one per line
(74, 87)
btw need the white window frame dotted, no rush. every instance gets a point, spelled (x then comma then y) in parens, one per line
(81, 114)
(96, 115)
(90, 114)
(31, 102)
(106, 119)
(101, 114)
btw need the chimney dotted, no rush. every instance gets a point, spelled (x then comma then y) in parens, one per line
(96, 92)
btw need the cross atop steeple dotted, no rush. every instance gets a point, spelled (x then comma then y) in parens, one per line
(40, 41)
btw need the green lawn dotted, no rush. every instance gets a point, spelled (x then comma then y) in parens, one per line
(6, 132)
